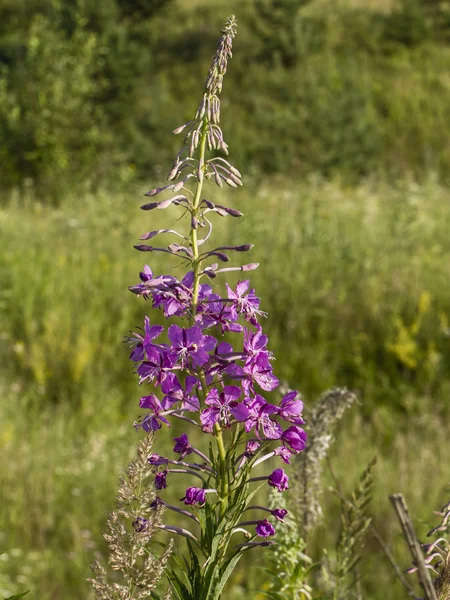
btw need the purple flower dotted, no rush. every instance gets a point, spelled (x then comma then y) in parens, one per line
(291, 409)
(218, 313)
(279, 513)
(167, 292)
(172, 389)
(255, 342)
(140, 524)
(295, 438)
(195, 496)
(139, 342)
(279, 480)
(265, 529)
(156, 503)
(259, 415)
(177, 300)
(284, 453)
(223, 406)
(247, 305)
(190, 344)
(182, 446)
(160, 480)
(156, 367)
(156, 459)
(251, 448)
(259, 370)
(153, 421)
(190, 401)
(146, 274)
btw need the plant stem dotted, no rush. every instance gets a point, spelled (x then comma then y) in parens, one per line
(193, 236)
(222, 471)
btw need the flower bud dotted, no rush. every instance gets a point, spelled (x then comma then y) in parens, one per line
(194, 496)
(161, 480)
(279, 480)
(265, 529)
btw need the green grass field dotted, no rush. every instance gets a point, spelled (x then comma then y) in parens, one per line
(356, 285)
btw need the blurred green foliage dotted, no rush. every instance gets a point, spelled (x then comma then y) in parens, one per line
(355, 282)
(89, 91)
(356, 286)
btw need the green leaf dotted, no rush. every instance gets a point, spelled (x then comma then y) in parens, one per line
(227, 570)
(17, 596)
(180, 590)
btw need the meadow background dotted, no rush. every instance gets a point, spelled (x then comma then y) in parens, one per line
(337, 114)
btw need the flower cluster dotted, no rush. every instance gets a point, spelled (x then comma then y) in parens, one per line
(213, 370)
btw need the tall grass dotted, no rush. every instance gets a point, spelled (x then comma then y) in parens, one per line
(362, 274)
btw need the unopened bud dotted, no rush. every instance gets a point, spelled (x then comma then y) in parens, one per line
(250, 267)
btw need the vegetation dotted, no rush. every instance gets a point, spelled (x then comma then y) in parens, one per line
(350, 221)
(88, 90)
(368, 295)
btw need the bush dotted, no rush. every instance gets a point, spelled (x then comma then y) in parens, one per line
(56, 133)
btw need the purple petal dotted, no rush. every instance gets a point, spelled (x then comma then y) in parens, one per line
(208, 342)
(239, 411)
(212, 399)
(208, 418)
(175, 334)
(271, 430)
(194, 335)
(188, 279)
(150, 402)
(231, 392)
(200, 358)
(242, 287)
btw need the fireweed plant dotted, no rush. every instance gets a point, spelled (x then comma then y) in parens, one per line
(211, 385)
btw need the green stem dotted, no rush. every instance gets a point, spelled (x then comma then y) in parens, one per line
(222, 482)
(223, 492)
(193, 236)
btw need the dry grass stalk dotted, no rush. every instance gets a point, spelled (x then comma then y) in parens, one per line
(322, 420)
(401, 509)
(130, 529)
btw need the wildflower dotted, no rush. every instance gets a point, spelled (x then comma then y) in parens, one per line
(259, 416)
(265, 529)
(251, 448)
(199, 379)
(291, 408)
(247, 305)
(295, 438)
(153, 421)
(161, 480)
(284, 453)
(279, 480)
(190, 345)
(182, 446)
(279, 513)
(156, 459)
(140, 524)
(194, 496)
(259, 370)
(223, 406)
